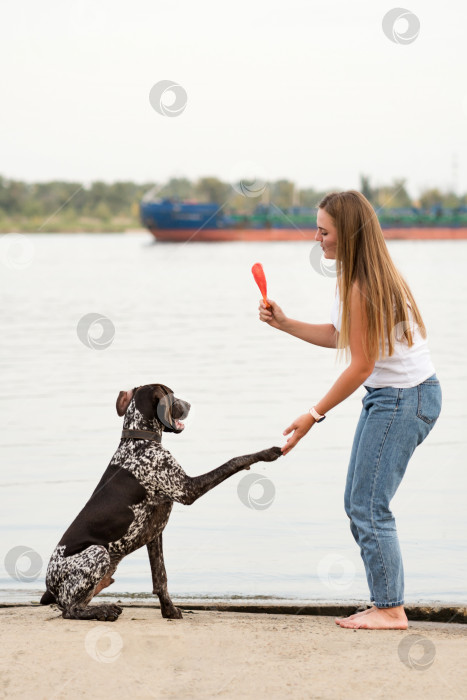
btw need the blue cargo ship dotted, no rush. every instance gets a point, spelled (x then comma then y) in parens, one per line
(180, 221)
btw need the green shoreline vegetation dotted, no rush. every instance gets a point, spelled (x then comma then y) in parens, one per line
(100, 207)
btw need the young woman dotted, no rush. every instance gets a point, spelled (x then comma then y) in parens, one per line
(376, 320)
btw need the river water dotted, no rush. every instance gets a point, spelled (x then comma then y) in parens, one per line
(186, 315)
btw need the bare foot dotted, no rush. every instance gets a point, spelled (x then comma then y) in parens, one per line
(378, 619)
(338, 620)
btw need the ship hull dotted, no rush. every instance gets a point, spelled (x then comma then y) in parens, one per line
(281, 234)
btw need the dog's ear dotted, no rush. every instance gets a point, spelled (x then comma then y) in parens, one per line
(123, 401)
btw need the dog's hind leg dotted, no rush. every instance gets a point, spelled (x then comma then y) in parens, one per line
(47, 598)
(106, 581)
(159, 578)
(74, 580)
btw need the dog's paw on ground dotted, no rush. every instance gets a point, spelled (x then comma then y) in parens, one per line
(103, 613)
(171, 613)
(108, 613)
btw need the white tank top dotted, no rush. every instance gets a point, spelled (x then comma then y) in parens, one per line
(406, 368)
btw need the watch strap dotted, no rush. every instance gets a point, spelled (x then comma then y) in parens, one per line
(318, 418)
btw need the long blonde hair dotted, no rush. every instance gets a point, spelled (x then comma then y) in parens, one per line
(362, 256)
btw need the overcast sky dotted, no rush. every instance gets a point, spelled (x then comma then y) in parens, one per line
(310, 91)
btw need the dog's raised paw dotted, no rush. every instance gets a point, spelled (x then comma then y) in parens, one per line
(269, 455)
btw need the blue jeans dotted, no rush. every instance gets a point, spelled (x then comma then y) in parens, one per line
(392, 423)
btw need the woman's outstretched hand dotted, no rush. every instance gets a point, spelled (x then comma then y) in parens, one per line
(300, 426)
(272, 314)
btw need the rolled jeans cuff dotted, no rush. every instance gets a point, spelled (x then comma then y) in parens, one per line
(388, 605)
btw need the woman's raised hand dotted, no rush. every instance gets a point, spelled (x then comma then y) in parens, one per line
(298, 428)
(272, 314)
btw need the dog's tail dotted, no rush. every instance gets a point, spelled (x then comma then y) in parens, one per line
(48, 598)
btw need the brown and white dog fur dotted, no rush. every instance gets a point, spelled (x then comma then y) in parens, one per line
(130, 507)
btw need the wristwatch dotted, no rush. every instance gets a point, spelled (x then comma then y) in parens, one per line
(316, 415)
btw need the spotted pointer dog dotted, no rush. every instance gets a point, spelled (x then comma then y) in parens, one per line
(130, 506)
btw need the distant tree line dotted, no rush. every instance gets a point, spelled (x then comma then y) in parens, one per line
(396, 195)
(100, 206)
(58, 205)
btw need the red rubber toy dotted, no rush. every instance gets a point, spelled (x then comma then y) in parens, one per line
(260, 279)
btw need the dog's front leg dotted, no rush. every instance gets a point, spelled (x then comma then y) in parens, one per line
(159, 578)
(187, 489)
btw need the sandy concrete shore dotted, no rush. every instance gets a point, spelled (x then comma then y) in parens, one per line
(210, 654)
